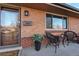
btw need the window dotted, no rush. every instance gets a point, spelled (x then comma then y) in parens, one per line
(56, 22)
(11, 17)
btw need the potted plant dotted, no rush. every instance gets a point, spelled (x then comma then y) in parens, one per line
(37, 38)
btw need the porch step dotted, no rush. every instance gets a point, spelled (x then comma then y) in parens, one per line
(10, 50)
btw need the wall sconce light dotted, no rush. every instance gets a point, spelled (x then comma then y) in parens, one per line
(26, 13)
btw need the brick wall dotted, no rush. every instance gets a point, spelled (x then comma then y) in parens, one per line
(38, 26)
(28, 42)
(38, 22)
(74, 24)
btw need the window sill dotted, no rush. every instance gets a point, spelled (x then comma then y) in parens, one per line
(56, 29)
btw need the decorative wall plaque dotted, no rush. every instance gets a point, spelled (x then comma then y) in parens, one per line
(27, 23)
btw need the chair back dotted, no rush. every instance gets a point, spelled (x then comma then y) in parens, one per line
(51, 37)
(70, 35)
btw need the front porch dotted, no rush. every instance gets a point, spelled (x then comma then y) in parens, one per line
(32, 19)
(71, 50)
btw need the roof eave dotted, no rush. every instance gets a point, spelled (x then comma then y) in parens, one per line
(63, 7)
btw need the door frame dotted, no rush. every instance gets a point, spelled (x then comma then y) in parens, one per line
(19, 18)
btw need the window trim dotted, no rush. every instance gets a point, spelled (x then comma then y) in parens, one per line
(56, 29)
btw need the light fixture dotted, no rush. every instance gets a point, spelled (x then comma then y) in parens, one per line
(26, 13)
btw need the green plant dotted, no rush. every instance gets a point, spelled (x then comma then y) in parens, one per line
(37, 37)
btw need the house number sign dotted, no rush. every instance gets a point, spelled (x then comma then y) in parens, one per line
(27, 23)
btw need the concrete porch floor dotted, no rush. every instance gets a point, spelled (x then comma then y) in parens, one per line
(71, 50)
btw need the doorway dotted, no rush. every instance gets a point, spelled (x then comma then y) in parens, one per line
(9, 26)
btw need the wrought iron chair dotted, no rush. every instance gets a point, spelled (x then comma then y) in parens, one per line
(52, 39)
(70, 36)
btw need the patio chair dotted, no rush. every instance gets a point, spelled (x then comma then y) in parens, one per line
(70, 36)
(52, 39)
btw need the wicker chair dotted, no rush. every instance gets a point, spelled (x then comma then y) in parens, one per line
(70, 36)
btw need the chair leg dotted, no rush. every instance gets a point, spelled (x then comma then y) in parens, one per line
(55, 48)
(63, 43)
(47, 44)
(68, 43)
(58, 44)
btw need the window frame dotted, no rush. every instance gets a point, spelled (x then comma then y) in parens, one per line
(52, 29)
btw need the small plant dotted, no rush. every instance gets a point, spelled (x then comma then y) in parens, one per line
(37, 37)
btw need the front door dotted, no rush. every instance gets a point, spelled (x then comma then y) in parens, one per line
(9, 26)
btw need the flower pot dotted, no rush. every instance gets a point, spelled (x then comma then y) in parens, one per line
(37, 45)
